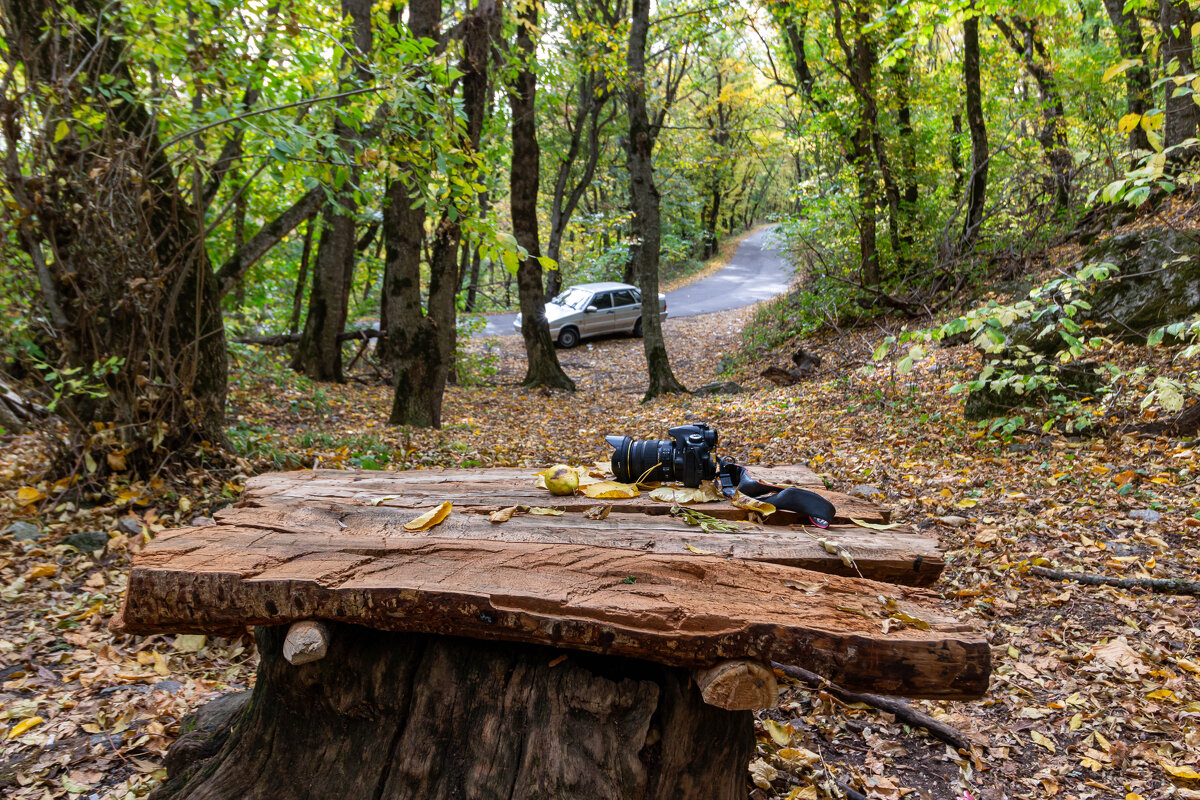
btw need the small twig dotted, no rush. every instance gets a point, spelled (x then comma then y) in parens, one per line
(1157, 585)
(900, 709)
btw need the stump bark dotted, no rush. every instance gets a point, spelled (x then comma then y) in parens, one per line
(392, 716)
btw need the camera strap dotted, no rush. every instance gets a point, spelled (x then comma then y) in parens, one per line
(736, 478)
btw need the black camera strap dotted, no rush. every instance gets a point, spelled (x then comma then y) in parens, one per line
(736, 478)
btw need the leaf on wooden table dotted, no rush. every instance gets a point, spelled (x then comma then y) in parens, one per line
(597, 512)
(704, 493)
(541, 511)
(376, 501)
(503, 515)
(429, 518)
(875, 526)
(750, 504)
(699, 550)
(605, 490)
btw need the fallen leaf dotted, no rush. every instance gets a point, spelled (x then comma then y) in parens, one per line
(704, 493)
(377, 500)
(699, 550)
(116, 461)
(23, 726)
(42, 571)
(762, 773)
(875, 526)
(750, 504)
(1117, 653)
(1185, 772)
(1042, 741)
(605, 490)
(503, 515)
(29, 494)
(544, 512)
(780, 734)
(190, 642)
(597, 512)
(429, 518)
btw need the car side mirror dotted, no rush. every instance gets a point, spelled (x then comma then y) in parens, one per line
(590, 310)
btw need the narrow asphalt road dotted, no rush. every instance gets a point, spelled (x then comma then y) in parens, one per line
(756, 272)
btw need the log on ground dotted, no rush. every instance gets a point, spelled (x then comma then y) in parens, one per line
(389, 716)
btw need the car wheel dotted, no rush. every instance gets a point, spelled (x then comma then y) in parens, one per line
(568, 338)
(637, 328)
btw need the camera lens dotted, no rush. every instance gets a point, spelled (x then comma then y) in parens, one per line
(651, 460)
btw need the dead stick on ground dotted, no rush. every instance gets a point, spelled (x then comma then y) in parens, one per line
(902, 710)
(1159, 585)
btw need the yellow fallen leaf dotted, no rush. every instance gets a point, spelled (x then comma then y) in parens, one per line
(1187, 666)
(916, 622)
(704, 493)
(1076, 722)
(597, 512)
(750, 504)
(503, 515)
(429, 518)
(802, 793)
(875, 526)
(1161, 694)
(1185, 772)
(1042, 741)
(967, 502)
(799, 756)
(781, 734)
(42, 571)
(161, 665)
(190, 642)
(29, 494)
(699, 550)
(383, 499)
(605, 490)
(585, 476)
(24, 725)
(544, 512)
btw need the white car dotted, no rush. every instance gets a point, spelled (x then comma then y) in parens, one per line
(595, 309)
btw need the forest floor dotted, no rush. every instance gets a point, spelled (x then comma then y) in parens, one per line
(1095, 691)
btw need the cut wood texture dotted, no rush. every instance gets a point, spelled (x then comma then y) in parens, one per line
(500, 488)
(679, 610)
(373, 506)
(390, 716)
(738, 686)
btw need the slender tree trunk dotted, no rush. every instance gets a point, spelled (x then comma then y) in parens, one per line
(956, 164)
(421, 343)
(1053, 135)
(644, 199)
(980, 156)
(301, 279)
(1181, 112)
(543, 368)
(1138, 92)
(319, 353)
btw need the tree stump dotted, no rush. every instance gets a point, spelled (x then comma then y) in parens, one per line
(391, 716)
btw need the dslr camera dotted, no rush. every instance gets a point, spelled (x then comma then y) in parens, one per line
(686, 457)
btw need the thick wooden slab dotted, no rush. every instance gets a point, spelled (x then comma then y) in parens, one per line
(880, 555)
(498, 488)
(681, 610)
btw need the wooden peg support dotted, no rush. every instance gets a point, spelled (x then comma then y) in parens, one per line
(738, 685)
(307, 641)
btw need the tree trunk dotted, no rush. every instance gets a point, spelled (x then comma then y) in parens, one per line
(644, 199)
(129, 287)
(1138, 92)
(390, 716)
(1181, 112)
(319, 353)
(301, 278)
(1053, 135)
(543, 368)
(977, 185)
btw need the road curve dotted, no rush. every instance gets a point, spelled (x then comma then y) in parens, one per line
(756, 272)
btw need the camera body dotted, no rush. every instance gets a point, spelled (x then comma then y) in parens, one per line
(686, 457)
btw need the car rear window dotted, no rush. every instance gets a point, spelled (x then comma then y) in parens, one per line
(624, 297)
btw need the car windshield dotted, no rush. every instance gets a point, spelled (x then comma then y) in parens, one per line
(573, 298)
